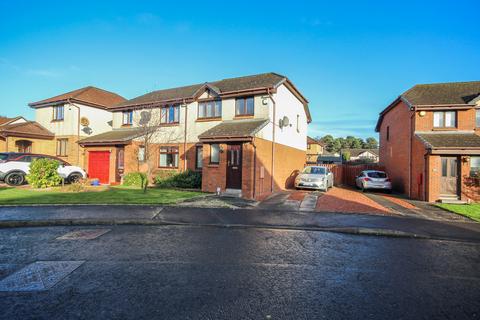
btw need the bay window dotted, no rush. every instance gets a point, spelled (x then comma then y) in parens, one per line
(170, 114)
(244, 106)
(444, 119)
(168, 157)
(210, 109)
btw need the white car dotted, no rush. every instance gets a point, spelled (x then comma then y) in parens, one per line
(314, 177)
(373, 179)
(14, 169)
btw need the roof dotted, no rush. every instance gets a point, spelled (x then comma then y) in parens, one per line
(450, 93)
(458, 140)
(437, 95)
(357, 152)
(26, 129)
(258, 82)
(5, 120)
(311, 140)
(234, 129)
(91, 96)
(116, 136)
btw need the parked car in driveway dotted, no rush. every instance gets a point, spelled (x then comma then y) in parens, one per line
(5, 156)
(314, 177)
(373, 179)
(14, 168)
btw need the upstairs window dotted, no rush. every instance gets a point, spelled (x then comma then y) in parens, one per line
(127, 117)
(210, 109)
(477, 118)
(170, 114)
(444, 119)
(244, 106)
(58, 113)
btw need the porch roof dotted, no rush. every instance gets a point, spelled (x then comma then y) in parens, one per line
(235, 129)
(116, 136)
(29, 129)
(450, 141)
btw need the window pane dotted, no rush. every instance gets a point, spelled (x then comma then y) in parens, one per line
(163, 159)
(444, 167)
(250, 105)
(475, 166)
(218, 108)
(171, 114)
(163, 115)
(177, 113)
(453, 167)
(201, 110)
(438, 119)
(141, 154)
(214, 153)
(199, 162)
(210, 107)
(239, 106)
(450, 119)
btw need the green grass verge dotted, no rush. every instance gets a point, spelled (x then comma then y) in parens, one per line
(113, 195)
(469, 210)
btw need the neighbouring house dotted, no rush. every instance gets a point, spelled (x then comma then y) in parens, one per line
(20, 135)
(430, 143)
(329, 158)
(314, 149)
(247, 135)
(362, 155)
(75, 115)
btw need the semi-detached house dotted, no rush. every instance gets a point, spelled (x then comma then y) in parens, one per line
(246, 135)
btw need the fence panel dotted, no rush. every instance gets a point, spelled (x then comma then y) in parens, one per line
(345, 174)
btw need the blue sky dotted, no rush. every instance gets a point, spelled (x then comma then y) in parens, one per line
(349, 58)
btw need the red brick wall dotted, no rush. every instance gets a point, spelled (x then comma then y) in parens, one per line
(465, 120)
(214, 175)
(434, 172)
(394, 154)
(418, 170)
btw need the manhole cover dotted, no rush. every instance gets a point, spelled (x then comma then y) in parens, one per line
(87, 234)
(39, 276)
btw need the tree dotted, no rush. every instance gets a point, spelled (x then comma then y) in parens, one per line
(151, 133)
(346, 156)
(371, 143)
(328, 141)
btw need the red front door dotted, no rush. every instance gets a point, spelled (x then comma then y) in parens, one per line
(99, 166)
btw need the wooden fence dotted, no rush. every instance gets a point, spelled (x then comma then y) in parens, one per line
(345, 174)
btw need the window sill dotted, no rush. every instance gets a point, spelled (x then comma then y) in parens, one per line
(171, 168)
(213, 165)
(173, 124)
(59, 120)
(444, 129)
(246, 116)
(209, 119)
(126, 125)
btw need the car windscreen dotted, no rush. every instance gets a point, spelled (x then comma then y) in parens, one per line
(3, 156)
(314, 170)
(377, 175)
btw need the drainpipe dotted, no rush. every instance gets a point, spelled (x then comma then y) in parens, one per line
(254, 167)
(273, 139)
(78, 130)
(412, 117)
(185, 137)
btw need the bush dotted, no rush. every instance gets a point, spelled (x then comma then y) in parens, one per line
(43, 173)
(137, 179)
(188, 179)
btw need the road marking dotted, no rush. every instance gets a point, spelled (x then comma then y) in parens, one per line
(39, 276)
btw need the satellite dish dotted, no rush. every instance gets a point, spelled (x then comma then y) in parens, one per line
(145, 117)
(284, 122)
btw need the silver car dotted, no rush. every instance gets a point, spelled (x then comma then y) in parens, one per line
(314, 177)
(373, 179)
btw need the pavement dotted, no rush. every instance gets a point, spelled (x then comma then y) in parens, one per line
(397, 226)
(195, 272)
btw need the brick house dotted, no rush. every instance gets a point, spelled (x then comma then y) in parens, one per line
(72, 116)
(314, 149)
(20, 135)
(246, 135)
(430, 143)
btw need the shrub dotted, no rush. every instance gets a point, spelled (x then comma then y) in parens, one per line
(188, 179)
(137, 179)
(43, 173)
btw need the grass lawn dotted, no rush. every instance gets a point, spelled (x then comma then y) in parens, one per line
(469, 210)
(113, 195)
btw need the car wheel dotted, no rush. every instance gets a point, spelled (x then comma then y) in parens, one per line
(15, 179)
(74, 177)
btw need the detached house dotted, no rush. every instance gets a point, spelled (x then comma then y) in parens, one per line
(314, 149)
(246, 135)
(72, 116)
(430, 142)
(20, 135)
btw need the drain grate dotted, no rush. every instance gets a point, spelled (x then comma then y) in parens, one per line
(39, 276)
(86, 234)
